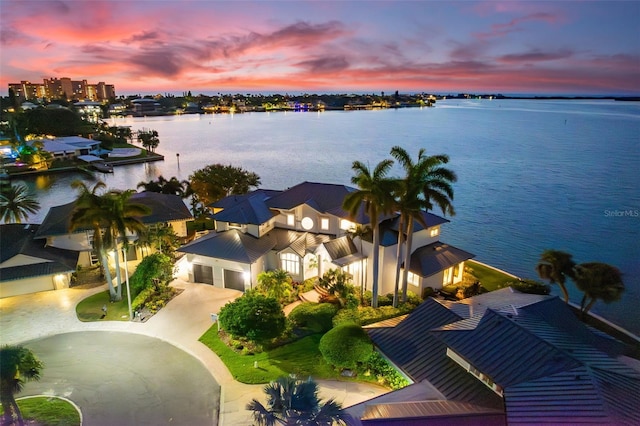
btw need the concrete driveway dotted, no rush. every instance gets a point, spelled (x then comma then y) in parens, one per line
(180, 323)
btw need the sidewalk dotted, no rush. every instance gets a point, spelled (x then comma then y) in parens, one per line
(180, 323)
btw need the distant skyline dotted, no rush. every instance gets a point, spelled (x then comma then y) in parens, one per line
(148, 46)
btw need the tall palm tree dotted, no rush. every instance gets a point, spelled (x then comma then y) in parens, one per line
(17, 366)
(376, 193)
(556, 266)
(598, 281)
(16, 203)
(291, 401)
(122, 215)
(427, 183)
(89, 212)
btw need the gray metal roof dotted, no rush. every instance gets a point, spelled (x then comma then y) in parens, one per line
(320, 196)
(436, 257)
(422, 356)
(18, 239)
(230, 245)
(552, 368)
(164, 208)
(433, 409)
(340, 247)
(250, 209)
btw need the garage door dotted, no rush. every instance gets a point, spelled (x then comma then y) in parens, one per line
(203, 274)
(234, 280)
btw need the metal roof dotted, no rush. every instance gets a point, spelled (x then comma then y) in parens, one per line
(18, 239)
(320, 196)
(551, 367)
(431, 409)
(164, 208)
(436, 257)
(230, 245)
(422, 356)
(246, 210)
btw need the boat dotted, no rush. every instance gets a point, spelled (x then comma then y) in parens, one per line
(96, 163)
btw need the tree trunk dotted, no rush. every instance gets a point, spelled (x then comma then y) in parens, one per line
(407, 259)
(398, 261)
(107, 274)
(118, 275)
(12, 413)
(376, 260)
(565, 293)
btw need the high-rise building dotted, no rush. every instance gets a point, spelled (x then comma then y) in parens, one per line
(62, 88)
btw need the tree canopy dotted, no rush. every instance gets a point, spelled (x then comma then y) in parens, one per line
(17, 366)
(217, 181)
(16, 203)
(56, 122)
(253, 316)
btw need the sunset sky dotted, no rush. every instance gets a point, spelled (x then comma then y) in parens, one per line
(148, 47)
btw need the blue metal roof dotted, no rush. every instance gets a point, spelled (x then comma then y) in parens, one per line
(436, 257)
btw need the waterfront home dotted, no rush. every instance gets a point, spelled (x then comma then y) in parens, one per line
(28, 265)
(305, 231)
(42, 257)
(503, 358)
(71, 146)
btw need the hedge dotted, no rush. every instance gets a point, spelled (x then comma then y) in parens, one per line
(315, 316)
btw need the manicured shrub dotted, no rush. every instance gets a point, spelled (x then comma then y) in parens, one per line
(386, 374)
(530, 286)
(346, 346)
(156, 266)
(368, 315)
(314, 316)
(253, 316)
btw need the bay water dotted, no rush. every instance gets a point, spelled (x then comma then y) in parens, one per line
(532, 174)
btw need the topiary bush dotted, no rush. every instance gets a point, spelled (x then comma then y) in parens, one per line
(316, 317)
(253, 316)
(346, 346)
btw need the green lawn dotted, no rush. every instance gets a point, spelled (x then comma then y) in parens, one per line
(488, 277)
(90, 309)
(47, 411)
(301, 357)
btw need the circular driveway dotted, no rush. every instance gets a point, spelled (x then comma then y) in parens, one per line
(125, 379)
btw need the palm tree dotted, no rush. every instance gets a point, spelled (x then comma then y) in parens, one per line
(16, 203)
(17, 366)
(556, 266)
(598, 281)
(376, 192)
(291, 401)
(426, 184)
(161, 185)
(89, 212)
(121, 216)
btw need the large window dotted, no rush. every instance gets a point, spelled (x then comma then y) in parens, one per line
(290, 263)
(413, 279)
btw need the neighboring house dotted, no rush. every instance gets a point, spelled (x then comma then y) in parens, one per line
(166, 210)
(28, 265)
(71, 146)
(503, 358)
(305, 231)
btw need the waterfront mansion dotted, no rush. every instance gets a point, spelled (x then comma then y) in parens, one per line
(305, 231)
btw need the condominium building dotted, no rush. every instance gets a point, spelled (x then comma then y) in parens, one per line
(62, 88)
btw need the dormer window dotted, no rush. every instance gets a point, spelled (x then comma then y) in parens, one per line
(291, 219)
(324, 223)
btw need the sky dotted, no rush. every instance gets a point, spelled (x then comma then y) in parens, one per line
(304, 46)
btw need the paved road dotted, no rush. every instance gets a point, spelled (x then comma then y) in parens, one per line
(126, 379)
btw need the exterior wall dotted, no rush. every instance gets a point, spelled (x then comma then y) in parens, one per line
(77, 242)
(423, 238)
(387, 274)
(179, 227)
(304, 211)
(434, 281)
(34, 285)
(265, 227)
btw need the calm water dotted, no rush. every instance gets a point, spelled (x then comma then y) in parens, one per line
(532, 174)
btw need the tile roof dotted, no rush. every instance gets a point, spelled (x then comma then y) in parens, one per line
(436, 257)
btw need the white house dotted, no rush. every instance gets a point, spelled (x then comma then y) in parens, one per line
(305, 231)
(71, 146)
